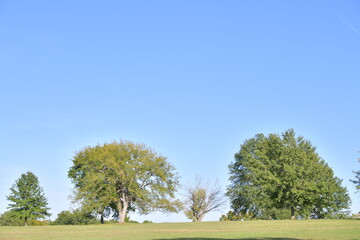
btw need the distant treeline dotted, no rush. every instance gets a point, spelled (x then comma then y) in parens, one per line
(271, 177)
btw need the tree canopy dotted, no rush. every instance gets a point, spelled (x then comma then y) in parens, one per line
(272, 173)
(28, 199)
(123, 176)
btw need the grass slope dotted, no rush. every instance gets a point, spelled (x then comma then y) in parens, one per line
(254, 230)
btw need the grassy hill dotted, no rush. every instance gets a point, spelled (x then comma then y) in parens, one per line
(253, 230)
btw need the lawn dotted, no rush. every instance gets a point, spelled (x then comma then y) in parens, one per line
(253, 230)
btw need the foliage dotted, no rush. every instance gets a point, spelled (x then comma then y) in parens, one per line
(240, 216)
(357, 180)
(271, 214)
(75, 217)
(122, 176)
(356, 215)
(36, 222)
(132, 221)
(147, 221)
(111, 221)
(10, 218)
(29, 201)
(276, 214)
(201, 199)
(284, 172)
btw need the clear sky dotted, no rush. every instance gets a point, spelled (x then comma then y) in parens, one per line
(192, 79)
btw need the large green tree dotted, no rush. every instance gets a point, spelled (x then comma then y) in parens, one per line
(123, 176)
(28, 199)
(276, 172)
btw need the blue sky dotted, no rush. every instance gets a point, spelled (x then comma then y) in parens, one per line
(192, 79)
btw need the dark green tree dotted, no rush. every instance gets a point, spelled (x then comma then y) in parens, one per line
(123, 176)
(28, 199)
(272, 173)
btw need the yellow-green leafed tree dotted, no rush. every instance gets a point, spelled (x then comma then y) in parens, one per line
(123, 176)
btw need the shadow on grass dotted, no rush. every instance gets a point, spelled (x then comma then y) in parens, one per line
(263, 238)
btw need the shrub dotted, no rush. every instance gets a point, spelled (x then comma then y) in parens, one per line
(232, 216)
(10, 219)
(75, 217)
(132, 221)
(111, 221)
(35, 222)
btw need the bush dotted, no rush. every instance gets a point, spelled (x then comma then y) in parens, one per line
(232, 216)
(75, 217)
(147, 221)
(10, 219)
(35, 222)
(132, 221)
(111, 221)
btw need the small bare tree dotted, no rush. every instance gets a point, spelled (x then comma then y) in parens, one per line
(200, 199)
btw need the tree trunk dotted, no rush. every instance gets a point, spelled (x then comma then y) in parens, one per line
(26, 221)
(122, 208)
(292, 213)
(102, 218)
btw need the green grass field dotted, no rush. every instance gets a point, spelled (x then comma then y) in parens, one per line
(253, 230)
